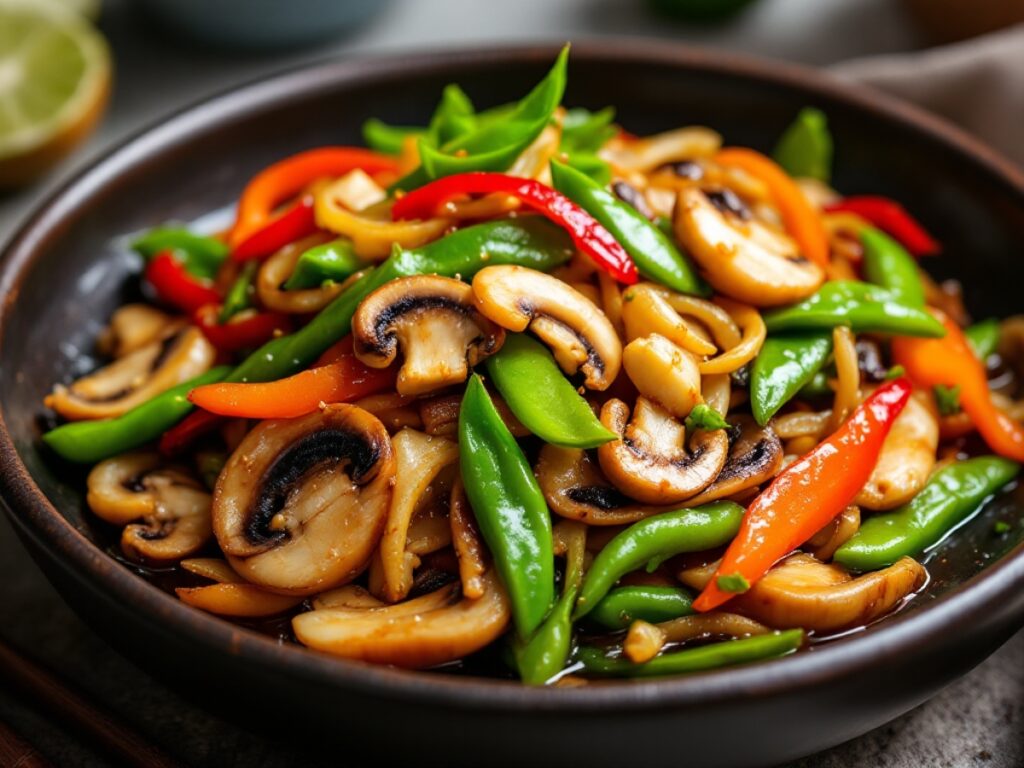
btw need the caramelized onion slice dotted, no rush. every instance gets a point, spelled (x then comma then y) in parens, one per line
(412, 634)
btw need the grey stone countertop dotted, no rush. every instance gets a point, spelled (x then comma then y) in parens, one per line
(977, 721)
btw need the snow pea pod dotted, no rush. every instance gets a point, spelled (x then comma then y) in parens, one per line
(805, 147)
(540, 396)
(655, 539)
(201, 255)
(526, 241)
(624, 605)
(983, 337)
(888, 264)
(334, 261)
(239, 295)
(654, 253)
(785, 365)
(952, 494)
(87, 442)
(546, 653)
(862, 307)
(509, 508)
(493, 145)
(723, 654)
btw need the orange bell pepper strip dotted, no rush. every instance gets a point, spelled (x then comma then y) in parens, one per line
(950, 362)
(341, 380)
(798, 216)
(807, 495)
(283, 180)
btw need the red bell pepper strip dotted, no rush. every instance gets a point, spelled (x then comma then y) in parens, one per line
(188, 430)
(175, 286)
(280, 182)
(800, 218)
(949, 361)
(297, 222)
(807, 495)
(892, 218)
(342, 380)
(246, 330)
(587, 233)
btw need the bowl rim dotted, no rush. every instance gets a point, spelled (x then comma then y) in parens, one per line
(911, 633)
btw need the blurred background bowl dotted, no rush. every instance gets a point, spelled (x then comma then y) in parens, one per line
(260, 23)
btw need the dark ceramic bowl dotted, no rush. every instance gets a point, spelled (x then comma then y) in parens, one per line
(62, 276)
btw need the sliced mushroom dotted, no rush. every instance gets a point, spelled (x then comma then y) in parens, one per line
(755, 457)
(664, 373)
(172, 505)
(418, 633)
(440, 415)
(804, 592)
(133, 326)
(301, 504)
(651, 462)
(575, 488)
(419, 459)
(231, 595)
(435, 322)
(467, 542)
(135, 378)
(907, 457)
(744, 259)
(579, 334)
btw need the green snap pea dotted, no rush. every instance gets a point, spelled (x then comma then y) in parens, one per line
(332, 262)
(509, 508)
(655, 539)
(388, 139)
(952, 495)
(655, 255)
(722, 654)
(493, 145)
(863, 307)
(87, 442)
(805, 147)
(784, 366)
(887, 263)
(201, 255)
(526, 241)
(983, 338)
(817, 386)
(624, 605)
(586, 131)
(546, 653)
(540, 396)
(239, 295)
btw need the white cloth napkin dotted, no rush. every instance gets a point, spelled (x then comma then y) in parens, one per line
(978, 83)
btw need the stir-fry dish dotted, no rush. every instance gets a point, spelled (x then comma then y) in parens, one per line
(524, 384)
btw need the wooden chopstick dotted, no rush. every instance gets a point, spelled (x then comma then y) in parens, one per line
(15, 752)
(76, 711)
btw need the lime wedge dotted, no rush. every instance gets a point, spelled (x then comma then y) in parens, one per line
(54, 81)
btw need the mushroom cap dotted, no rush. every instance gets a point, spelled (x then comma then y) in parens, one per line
(434, 321)
(578, 332)
(651, 462)
(742, 258)
(300, 505)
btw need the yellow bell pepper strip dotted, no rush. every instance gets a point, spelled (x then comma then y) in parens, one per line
(799, 217)
(282, 181)
(808, 494)
(587, 233)
(950, 362)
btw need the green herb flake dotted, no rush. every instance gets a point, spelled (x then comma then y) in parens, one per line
(947, 399)
(703, 416)
(733, 583)
(1001, 527)
(895, 372)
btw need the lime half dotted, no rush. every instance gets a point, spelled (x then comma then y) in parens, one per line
(54, 82)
